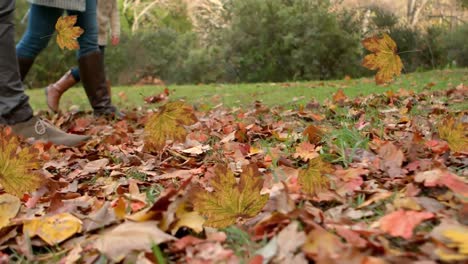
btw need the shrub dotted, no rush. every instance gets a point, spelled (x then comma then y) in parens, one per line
(457, 46)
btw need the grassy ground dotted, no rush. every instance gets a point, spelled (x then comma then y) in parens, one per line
(269, 93)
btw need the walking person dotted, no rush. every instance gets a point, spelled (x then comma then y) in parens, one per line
(43, 14)
(108, 18)
(15, 110)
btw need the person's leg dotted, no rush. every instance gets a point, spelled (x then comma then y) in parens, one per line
(54, 91)
(14, 105)
(91, 63)
(41, 26)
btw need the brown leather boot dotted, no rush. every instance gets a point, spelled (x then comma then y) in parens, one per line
(94, 82)
(55, 91)
(24, 65)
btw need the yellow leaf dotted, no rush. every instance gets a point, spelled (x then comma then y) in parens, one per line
(313, 179)
(18, 166)
(53, 229)
(230, 200)
(9, 207)
(120, 208)
(192, 220)
(168, 124)
(384, 58)
(459, 240)
(67, 34)
(455, 133)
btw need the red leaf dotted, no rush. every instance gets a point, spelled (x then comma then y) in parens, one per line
(401, 223)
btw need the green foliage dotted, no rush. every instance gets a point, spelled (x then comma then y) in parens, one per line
(457, 46)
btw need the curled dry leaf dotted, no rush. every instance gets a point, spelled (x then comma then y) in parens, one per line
(9, 208)
(230, 200)
(384, 58)
(67, 33)
(130, 236)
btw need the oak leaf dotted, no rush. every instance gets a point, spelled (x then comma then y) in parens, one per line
(384, 58)
(230, 200)
(313, 179)
(455, 133)
(168, 124)
(53, 229)
(67, 33)
(9, 207)
(401, 223)
(305, 151)
(18, 166)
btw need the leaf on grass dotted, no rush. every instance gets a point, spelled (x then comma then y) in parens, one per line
(53, 229)
(455, 133)
(168, 124)
(9, 208)
(401, 223)
(339, 97)
(131, 236)
(67, 34)
(313, 133)
(305, 151)
(18, 166)
(384, 58)
(313, 179)
(230, 200)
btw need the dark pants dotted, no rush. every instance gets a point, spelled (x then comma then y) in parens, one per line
(14, 103)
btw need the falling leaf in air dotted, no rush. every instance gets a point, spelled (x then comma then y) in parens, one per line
(230, 200)
(384, 58)
(18, 166)
(313, 179)
(455, 133)
(53, 229)
(168, 124)
(67, 33)
(9, 207)
(401, 223)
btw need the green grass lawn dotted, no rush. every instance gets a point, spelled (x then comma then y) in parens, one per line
(284, 94)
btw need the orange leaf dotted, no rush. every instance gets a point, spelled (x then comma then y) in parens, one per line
(67, 34)
(313, 133)
(384, 58)
(401, 223)
(339, 97)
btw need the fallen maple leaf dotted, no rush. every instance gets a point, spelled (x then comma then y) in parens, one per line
(455, 133)
(67, 34)
(230, 200)
(339, 97)
(305, 151)
(313, 133)
(313, 179)
(18, 166)
(53, 229)
(9, 207)
(127, 237)
(384, 58)
(168, 124)
(401, 223)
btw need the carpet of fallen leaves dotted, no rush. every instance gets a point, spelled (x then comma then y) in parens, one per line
(376, 179)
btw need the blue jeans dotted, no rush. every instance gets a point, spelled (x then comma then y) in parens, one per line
(41, 27)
